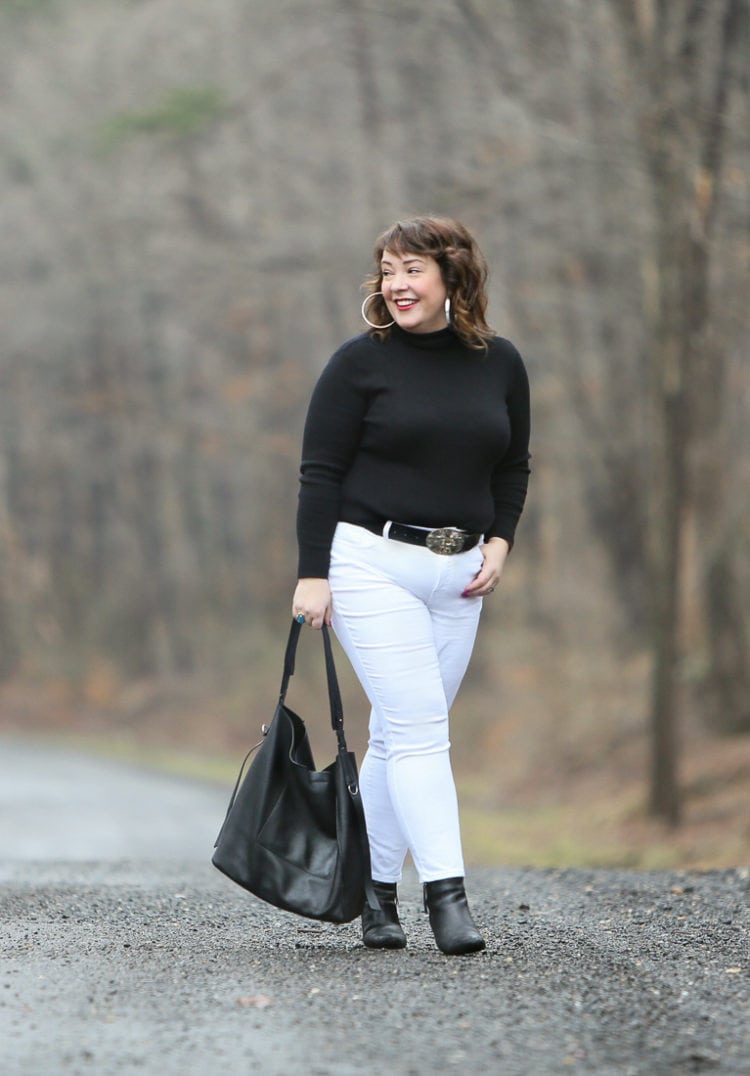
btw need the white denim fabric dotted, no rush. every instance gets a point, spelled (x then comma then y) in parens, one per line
(400, 618)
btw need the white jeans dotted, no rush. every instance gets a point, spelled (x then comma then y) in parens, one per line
(399, 616)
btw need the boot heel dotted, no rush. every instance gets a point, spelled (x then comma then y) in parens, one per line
(454, 929)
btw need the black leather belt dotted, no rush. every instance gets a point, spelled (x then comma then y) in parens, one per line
(443, 540)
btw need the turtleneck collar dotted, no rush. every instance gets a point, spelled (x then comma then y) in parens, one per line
(436, 341)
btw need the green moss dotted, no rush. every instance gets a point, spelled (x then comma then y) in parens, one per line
(27, 7)
(180, 114)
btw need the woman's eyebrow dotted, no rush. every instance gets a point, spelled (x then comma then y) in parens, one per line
(406, 261)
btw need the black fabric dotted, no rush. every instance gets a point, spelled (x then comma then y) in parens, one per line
(294, 836)
(420, 429)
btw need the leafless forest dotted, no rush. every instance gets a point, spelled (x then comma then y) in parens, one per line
(190, 192)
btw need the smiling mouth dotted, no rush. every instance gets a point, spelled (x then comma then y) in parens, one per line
(405, 304)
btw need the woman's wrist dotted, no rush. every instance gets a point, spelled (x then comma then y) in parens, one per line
(497, 540)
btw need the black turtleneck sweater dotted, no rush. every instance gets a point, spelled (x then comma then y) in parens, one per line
(419, 429)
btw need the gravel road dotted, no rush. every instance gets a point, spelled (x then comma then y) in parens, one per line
(124, 951)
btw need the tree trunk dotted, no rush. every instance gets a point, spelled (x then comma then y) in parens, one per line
(681, 55)
(664, 797)
(727, 686)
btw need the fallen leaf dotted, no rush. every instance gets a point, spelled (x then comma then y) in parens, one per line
(257, 1001)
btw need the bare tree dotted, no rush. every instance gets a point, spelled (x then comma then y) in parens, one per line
(189, 196)
(683, 55)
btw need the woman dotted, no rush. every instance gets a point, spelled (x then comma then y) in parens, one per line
(414, 471)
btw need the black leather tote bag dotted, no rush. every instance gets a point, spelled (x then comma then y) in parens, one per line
(293, 835)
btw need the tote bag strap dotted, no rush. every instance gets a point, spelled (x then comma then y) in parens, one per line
(352, 784)
(334, 695)
(337, 724)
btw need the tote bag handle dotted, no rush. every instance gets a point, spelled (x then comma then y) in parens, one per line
(337, 724)
(334, 695)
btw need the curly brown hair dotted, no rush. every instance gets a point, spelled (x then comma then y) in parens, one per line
(462, 266)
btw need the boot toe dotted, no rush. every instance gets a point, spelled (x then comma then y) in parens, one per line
(454, 929)
(462, 945)
(384, 936)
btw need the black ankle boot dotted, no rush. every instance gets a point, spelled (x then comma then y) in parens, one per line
(450, 918)
(382, 930)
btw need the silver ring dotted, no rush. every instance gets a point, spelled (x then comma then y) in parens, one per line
(300, 618)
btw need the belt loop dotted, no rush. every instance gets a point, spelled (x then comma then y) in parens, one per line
(387, 527)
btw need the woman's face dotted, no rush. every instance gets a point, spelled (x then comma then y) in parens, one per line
(413, 291)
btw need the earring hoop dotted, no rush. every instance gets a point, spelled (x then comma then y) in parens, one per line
(448, 309)
(365, 317)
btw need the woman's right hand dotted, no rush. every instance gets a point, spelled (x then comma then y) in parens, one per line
(312, 598)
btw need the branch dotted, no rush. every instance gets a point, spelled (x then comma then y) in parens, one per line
(691, 50)
(636, 18)
(714, 140)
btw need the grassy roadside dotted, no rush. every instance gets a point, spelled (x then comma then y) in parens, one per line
(598, 817)
(598, 820)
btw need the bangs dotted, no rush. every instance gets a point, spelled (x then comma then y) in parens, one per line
(411, 237)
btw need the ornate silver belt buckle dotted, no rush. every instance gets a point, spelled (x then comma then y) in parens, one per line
(445, 540)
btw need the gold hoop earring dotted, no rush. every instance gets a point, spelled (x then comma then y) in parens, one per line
(365, 317)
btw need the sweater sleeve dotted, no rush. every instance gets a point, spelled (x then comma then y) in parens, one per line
(331, 436)
(510, 477)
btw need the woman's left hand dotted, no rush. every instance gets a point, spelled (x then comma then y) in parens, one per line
(495, 552)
